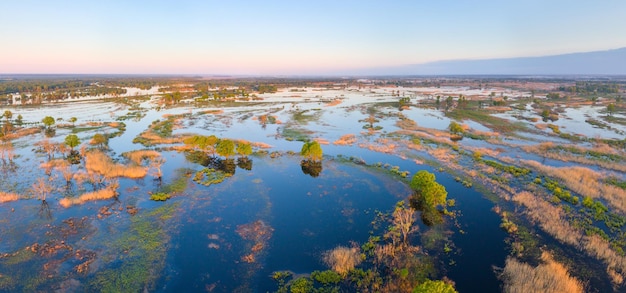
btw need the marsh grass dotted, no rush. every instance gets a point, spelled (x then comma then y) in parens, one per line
(347, 139)
(495, 123)
(8, 197)
(98, 162)
(548, 277)
(138, 156)
(585, 182)
(601, 154)
(552, 220)
(106, 193)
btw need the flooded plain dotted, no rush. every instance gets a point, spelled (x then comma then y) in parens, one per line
(190, 220)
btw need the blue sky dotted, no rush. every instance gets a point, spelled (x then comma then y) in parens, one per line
(292, 37)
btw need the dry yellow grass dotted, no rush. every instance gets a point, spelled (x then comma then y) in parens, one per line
(7, 197)
(546, 149)
(552, 220)
(139, 155)
(261, 145)
(342, 259)
(334, 102)
(442, 154)
(321, 140)
(347, 139)
(21, 133)
(485, 151)
(212, 112)
(585, 182)
(105, 193)
(387, 149)
(548, 277)
(100, 163)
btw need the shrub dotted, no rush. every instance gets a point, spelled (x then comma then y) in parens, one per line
(430, 286)
(342, 259)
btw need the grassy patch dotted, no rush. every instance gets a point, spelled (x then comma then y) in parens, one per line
(495, 123)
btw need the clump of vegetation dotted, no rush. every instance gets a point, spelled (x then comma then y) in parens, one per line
(429, 196)
(342, 259)
(97, 161)
(513, 170)
(160, 196)
(109, 192)
(438, 286)
(209, 176)
(139, 156)
(312, 151)
(8, 196)
(549, 277)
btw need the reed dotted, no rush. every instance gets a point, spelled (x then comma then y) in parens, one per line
(347, 139)
(8, 196)
(106, 193)
(100, 163)
(548, 277)
(138, 156)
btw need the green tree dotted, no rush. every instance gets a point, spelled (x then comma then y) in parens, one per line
(610, 109)
(312, 151)
(19, 119)
(431, 193)
(203, 143)
(244, 149)
(455, 128)
(48, 121)
(72, 141)
(438, 286)
(225, 148)
(301, 285)
(8, 115)
(73, 120)
(99, 139)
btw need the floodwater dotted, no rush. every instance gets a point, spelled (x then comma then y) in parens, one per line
(231, 236)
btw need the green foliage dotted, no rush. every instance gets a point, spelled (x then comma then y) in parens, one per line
(515, 171)
(559, 192)
(616, 182)
(431, 193)
(72, 141)
(209, 176)
(438, 286)
(225, 148)
(312, 151)
(7, 115)
(244, 149)
(301, 285)
(203, 143)
(455, 128)
(142, 264)
(555, 128)
(48, 121)
(610, 109)
(100, 140)
(160, 196)
(326, 277)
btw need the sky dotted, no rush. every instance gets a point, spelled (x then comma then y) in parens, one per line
(292, 37)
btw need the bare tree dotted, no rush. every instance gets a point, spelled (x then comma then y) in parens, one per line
(41, 189)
